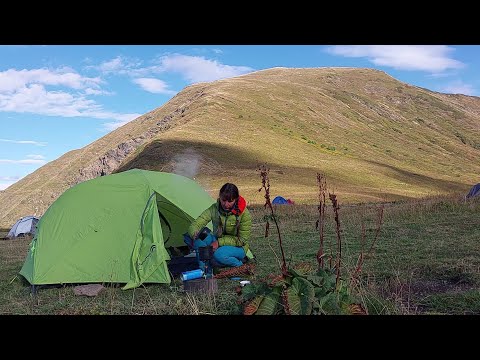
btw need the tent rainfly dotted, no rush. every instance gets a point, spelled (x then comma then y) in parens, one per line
(280, 200)
(25, 226)
(474, 191)
(115, 229)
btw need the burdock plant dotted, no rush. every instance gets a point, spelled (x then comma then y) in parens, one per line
(302, 289)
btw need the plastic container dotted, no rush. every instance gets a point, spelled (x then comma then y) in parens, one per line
(190, 275)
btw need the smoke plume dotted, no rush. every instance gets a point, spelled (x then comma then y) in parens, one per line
(187, 163)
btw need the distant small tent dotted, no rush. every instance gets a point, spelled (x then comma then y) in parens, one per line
(474, 191)
(25, 226)
(279, 200)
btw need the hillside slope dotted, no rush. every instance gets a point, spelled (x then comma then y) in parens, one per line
(374, 137)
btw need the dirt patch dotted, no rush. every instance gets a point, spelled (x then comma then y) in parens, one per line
(421, 288)
(410, 296)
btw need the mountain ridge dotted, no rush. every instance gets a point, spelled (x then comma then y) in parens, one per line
(375, 138)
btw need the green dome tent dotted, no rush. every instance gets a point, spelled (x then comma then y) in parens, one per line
(114, 228)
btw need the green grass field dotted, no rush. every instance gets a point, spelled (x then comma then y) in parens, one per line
(426, 260)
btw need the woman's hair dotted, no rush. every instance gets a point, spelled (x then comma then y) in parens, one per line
(228, 192)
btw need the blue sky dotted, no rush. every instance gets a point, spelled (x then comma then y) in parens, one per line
(58, 98)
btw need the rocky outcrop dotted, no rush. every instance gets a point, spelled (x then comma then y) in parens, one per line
(109, 162)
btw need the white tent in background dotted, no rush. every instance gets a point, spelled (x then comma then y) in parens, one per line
(25, 226)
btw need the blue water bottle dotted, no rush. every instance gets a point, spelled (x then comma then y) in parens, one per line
(190, 275)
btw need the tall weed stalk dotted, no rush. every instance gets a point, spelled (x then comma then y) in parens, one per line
(299, 290)
(264, 170)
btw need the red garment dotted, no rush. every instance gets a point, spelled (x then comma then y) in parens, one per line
(241, 205)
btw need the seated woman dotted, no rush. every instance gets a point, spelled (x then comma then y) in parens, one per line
(232, 225)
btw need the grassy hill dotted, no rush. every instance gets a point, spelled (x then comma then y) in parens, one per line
(374, 137)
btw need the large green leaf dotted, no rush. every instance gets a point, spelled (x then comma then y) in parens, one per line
(271, 303)
(306, 292)
(329, 305)
(296, 273)
(252, 290)
(294, 301)
(320, 292)
(252, 307)
(316, 280)
(330, 281)
(304, 268)
(343, 293)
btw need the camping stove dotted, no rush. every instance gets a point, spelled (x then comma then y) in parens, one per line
(205, 254)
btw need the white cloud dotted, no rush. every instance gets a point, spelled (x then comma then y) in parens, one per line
(192, 68)
(121, 121)
(36, 157)
(199, 69)
(24, 161)
(459, 87)
(28, 91)
(155, 86)
(430, 58)
(112, 65)
(9, 178)
(119, 65)
(13, 80)
(114, 125)
(36, 99)
(90, 91)
(110, 115)
(24, 91)
(37, 143)
(444, 74)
